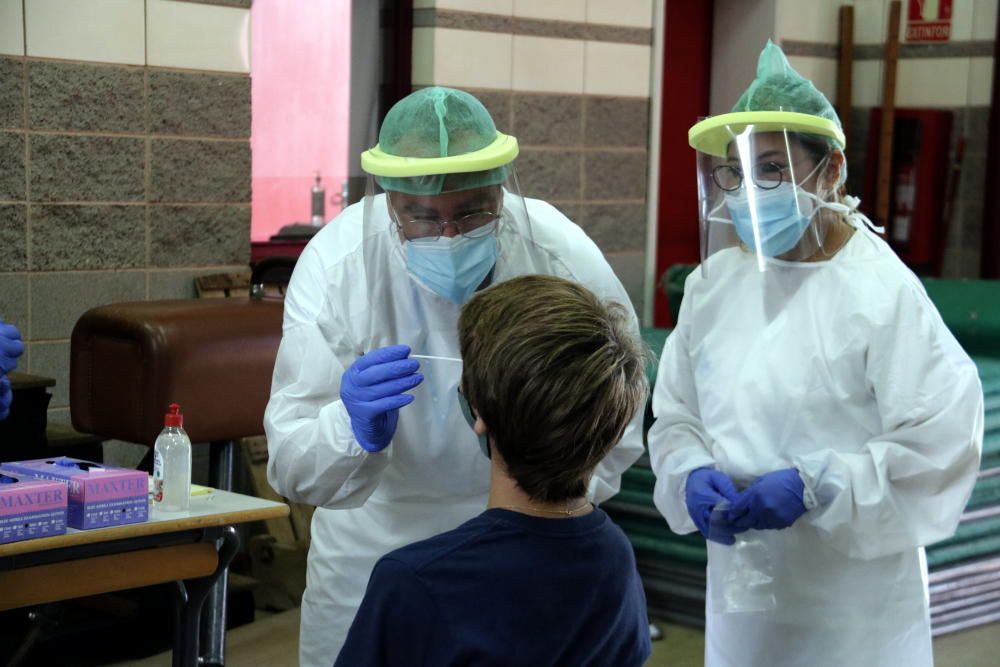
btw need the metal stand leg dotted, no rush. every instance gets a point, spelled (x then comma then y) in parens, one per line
(220, 459)
(189, 598)
(42, 618)
(213, 628)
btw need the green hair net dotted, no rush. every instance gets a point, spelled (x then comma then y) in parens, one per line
(438, 122)
(778, 87)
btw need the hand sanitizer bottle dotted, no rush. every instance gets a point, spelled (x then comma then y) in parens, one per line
(318, 193)
(172, 464)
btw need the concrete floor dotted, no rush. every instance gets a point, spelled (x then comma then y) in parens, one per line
(274, 641)
(979, 647)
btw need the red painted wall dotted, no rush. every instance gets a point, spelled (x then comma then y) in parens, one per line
(686, 73)
(300, 91)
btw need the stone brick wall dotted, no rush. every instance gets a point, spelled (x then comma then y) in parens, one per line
(122, 176)
(571, 81)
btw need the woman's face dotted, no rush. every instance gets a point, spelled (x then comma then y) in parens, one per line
(770, 159)
(773, 160)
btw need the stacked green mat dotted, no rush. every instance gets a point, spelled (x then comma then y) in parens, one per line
(964, 569)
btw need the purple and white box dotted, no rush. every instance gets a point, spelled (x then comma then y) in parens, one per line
(30, 508)
(99, 496)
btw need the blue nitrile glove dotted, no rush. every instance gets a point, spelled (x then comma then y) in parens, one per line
(372, 391)
(773, 501)
(706, 488)
(11, 347)
(6, 396)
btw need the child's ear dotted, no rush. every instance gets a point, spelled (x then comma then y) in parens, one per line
(480, 426)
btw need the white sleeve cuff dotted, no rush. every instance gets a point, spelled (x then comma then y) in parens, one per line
(808, 496)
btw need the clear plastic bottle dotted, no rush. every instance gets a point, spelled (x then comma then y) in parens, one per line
(172, 464)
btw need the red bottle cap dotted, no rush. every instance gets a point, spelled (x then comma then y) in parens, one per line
(174, 416)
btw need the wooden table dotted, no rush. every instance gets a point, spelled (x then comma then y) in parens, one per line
(192, 549)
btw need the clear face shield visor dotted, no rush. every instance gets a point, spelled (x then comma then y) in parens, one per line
(427, 208)
(768, 196)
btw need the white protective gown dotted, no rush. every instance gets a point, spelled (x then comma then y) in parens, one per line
(347, 298)
(845, 371)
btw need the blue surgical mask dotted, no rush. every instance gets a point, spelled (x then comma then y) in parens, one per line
(783, 214)
(452, 267)
(484, 441)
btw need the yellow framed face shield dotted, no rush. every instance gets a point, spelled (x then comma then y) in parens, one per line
(712, 136)
(502, 151)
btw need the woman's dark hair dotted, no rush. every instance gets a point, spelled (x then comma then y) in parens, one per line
(818, 148)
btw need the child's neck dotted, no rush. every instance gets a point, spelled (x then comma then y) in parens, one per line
(506, 494)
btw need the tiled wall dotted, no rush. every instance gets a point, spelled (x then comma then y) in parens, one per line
(570, 79)
(124, 159)
(956, 75)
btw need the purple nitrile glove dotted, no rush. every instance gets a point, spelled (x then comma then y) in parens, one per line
(772, 502)
(706, 488)
(11, 347)
(6, 397)
(372, 391)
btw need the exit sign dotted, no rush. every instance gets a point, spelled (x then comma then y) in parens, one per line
(928, 21)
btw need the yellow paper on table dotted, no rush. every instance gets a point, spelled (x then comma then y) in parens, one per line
(196, 489)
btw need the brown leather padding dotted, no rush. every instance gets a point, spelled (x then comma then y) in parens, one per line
(215, 357)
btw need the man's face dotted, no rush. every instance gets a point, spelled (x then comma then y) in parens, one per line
(448, 214)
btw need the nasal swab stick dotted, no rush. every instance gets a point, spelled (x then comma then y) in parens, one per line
(427, 356)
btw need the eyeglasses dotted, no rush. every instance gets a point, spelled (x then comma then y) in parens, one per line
(766, 176)
(473, 226)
